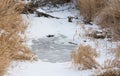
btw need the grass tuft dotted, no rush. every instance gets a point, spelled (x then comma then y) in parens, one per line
(109, 17)
(12, 27)
(115, 72)
(84, 57)
(89, 8)
(105, 13)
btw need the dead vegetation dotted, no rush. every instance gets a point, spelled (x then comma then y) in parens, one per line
(84, 57)
(116, 52)
(105, 13)
(29, 8)
(89, 8)
(99, 34)
(115, 62)
(41, 3)
(114, 72)
(109, 17)
(111, 66)
(12, 26)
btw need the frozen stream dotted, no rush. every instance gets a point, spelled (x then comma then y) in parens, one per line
(57, 48)
(53, 49)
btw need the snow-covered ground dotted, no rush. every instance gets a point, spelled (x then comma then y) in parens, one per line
(54, 52)
(40, 68)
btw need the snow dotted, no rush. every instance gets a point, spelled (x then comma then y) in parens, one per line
(40, 10)
(45, 26)
(55, 60)
(39, 28)
(51, 49)
(43, 68)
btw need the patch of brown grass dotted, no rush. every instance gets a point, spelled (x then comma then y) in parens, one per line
(12, 27)
(89, 8)
(116, 51)
(83, 58)
(111, 63)
(105, 13)
(115, 72)
(4, 62)
(109, 17)
(112, 66)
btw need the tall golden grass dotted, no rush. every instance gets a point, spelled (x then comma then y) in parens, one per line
(89, 8)
(116, 52)
(105, 13)
(111, 66)
(115, 62)
(12, 27)
(114, 72)
(84, 57)
(109, 17)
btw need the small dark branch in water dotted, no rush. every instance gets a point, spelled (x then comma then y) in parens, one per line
(73, 43)
(50, 35)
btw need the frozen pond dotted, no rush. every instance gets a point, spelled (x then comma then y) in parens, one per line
(53, 49)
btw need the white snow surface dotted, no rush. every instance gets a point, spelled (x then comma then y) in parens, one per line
(39, 27)
(40, 68)
(45, 26)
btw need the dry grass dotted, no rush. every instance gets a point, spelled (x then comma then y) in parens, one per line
(115, 72)
(83, 58)
(29, 8)
(12, 27)
(4, 62)
(116, 51)
(115, 62)
(110, 17)
(41, 3)
(105, 13)
(89, 8)
(111, 63)
(112, 66)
